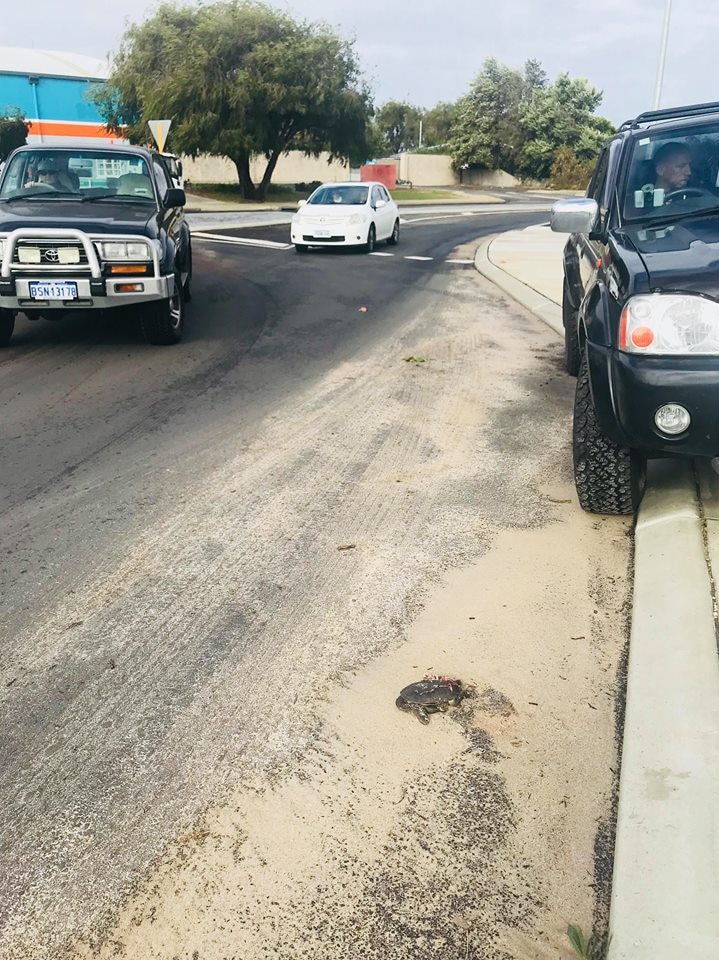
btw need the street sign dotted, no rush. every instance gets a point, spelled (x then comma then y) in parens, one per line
(159, 130)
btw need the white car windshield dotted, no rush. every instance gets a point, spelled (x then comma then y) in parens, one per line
(86, 174)
(673, 173)
(349, 196)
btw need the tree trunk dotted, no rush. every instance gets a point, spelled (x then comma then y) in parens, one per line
(261, 191)
(247, 187)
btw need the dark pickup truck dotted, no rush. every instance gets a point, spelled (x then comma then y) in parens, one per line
(93, 228)
(641, 303)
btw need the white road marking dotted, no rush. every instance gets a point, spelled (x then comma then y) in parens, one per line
(244, 241)
(376, 254)
(459, 261)
(419, 258)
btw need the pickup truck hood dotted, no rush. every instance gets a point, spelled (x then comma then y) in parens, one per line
(681, 256)
(101, 217)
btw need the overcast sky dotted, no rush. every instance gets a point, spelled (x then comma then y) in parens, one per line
(425, 51)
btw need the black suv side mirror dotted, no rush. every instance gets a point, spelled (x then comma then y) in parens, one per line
(174, 198)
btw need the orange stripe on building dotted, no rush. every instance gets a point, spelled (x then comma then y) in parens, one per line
(62, 128)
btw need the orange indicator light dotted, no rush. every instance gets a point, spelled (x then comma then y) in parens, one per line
(642, 337)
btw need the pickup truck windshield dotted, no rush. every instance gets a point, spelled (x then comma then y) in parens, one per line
(82, 173)
(673, 174)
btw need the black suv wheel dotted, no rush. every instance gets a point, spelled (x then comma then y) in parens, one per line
(609, 478)
(572, 350)
(163, 320)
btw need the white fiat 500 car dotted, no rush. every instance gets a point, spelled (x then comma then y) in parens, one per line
(346, 215)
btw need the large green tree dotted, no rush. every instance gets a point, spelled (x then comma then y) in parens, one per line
(561, 115)
(487, 132)
(239, 79)
(397, 126)
(438, 124)
(13, 130)
(516, 121)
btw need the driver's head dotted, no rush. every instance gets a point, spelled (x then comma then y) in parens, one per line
(48, 170)
(673, 165)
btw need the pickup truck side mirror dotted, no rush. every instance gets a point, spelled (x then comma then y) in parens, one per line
(174, 198)
(574, 216)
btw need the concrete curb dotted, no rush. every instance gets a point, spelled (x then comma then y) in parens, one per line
(666, 863)
(543, 308)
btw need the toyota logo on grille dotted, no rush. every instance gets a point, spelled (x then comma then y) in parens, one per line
(52, 255)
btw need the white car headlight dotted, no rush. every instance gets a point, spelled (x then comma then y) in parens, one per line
(124, 250)
(667, 323)
(357, 218)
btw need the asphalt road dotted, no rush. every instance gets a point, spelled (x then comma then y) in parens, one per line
(170, 517)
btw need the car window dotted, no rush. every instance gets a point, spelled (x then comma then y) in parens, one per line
(350, 195)
(376, 195)
(164, 182)
(83, 172)
(384, 194)
(596, 184)
(672, 172)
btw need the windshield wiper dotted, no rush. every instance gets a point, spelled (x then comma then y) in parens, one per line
(119, 197)
(40, 195)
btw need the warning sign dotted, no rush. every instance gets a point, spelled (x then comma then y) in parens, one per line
(159, 130)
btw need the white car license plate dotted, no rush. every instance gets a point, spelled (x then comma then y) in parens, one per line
(53, 290)
(322, 233)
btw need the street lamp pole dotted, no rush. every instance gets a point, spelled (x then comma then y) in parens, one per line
(662, 54)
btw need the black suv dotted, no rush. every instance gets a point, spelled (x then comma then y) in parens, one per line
(641, 303)
(90, 228)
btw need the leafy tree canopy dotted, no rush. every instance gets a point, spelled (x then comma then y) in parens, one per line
(239, 78)
(397, 126)
(516, 120)
(14, 129)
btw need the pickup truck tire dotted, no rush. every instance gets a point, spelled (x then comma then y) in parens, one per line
(163, 320)
(572, 348)
(609, 478)
(7, 325)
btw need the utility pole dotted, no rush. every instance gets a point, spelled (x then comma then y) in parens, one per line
(420, 133)
(662, 55)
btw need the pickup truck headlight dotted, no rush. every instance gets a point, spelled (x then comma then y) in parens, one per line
(124, 250)
(662, 324)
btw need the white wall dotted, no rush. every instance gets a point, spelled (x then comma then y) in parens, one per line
(292, 167)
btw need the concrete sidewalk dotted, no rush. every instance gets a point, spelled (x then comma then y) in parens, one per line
(665, 894)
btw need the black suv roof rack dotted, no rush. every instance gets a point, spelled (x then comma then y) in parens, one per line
(671, 113)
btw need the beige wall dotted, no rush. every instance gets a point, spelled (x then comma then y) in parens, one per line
(292, 167)
(422, 169)
(435, 170)
(489, 178)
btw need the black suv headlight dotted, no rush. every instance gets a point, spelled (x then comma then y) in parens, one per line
(670, 324)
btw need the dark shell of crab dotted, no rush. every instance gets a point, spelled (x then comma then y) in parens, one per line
(432, 692)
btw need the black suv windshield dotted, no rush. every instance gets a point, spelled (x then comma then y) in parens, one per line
(673, 173)
(81, 173)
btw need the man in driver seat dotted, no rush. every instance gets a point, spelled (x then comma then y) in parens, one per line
(51, 174)
(673, 166)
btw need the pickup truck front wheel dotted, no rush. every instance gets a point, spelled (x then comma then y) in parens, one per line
(7, 325)
(609, 478)
(163, 320)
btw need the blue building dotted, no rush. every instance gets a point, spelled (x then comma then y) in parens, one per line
(50, 89)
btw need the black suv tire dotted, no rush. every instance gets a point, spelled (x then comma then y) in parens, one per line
(609, 478)
(7, 325)
(163, 320)
(572, 348)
